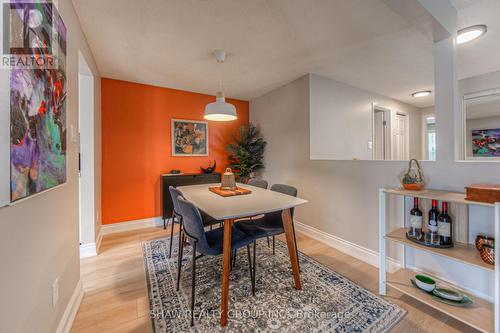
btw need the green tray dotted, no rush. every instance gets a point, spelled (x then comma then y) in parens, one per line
(465, 302)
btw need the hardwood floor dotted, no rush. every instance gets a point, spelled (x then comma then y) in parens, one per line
(116, 297)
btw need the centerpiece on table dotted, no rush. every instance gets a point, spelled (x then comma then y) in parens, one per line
(228, 186)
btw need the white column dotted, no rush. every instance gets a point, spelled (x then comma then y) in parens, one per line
(497, 268)
(382, 222)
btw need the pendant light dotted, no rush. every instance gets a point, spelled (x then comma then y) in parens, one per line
(220, 110)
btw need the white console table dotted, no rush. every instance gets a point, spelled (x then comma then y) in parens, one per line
(483, 316)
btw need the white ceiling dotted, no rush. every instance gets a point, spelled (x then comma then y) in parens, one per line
(480, 56)
(484, 107)
(270, 43)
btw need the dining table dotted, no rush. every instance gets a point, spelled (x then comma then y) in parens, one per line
(229, 209)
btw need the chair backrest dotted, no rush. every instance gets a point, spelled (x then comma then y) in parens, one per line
(258, 183)
(193, 224)
(174, 194)
(285, 189)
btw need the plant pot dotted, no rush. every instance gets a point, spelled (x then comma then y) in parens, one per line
(413, 178)
(487, 253)
(413, 187)
(481, 239)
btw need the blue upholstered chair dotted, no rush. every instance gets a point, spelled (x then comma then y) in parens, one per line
(271, 224)
(177, 216)
(207, 243)
(258, 183)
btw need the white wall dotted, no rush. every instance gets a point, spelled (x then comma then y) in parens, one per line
(39, 236)
(479, 83)
(341, 116)
(343, 195)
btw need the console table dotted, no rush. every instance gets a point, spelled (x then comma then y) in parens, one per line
(182, 180)
(484, 315)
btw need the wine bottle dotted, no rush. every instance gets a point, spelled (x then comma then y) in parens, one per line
(444, 226)
(432, 225)
(415, 221)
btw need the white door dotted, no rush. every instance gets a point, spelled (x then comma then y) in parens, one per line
(399, 137)
(379, 142)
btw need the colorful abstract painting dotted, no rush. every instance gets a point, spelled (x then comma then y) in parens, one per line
(37, 97)
(486, 142)
(189, 138)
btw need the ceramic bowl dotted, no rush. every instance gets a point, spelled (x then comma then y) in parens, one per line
(481, 239)
(488, 253)
(425, 283)
(448, 294)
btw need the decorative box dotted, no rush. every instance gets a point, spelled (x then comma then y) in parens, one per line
(489, 193)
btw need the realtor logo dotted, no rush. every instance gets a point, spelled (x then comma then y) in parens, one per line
(29, 30)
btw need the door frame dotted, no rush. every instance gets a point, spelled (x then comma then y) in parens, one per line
(86, 150)
(387, 131)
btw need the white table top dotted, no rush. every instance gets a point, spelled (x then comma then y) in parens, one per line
(260, 201)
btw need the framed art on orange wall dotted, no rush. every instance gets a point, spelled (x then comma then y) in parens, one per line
(189, 138)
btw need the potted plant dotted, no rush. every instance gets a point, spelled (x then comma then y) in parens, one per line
(246, 153)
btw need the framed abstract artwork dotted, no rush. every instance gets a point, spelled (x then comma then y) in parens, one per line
(486, 142)
(189, 138)
(38, 83)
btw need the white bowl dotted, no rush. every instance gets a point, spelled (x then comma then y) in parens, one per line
(425, 283)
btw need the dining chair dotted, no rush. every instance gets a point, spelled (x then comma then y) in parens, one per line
(271, 224)
(258, 183)
(207, 243)
(262, 184)
(174, 194)
(177, 216)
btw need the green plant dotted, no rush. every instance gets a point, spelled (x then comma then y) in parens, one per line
(246, 152)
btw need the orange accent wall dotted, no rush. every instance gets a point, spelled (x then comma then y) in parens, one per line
(136, 144)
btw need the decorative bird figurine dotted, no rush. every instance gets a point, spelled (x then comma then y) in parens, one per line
(210, 169)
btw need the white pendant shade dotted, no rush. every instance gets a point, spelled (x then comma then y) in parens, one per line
(220, 110)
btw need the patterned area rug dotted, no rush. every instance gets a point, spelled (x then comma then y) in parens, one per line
(328, 302)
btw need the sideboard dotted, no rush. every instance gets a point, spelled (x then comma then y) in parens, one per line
(182, 180)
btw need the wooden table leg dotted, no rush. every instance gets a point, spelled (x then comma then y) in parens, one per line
(287, 224)
(226, 268)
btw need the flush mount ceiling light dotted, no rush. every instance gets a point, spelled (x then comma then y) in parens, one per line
(220, 110)
(422, 93)
(467, 34)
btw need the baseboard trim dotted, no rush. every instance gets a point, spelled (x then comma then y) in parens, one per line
(69, 314)
(131, 225)
(98, 241)
(88, 250)
(91, 249)
(359, 252)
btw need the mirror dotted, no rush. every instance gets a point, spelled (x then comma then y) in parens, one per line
(482, 125)
(373, 99)
(478, 70)
(395, 134)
